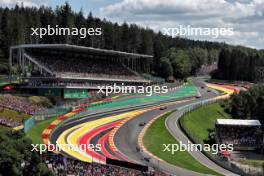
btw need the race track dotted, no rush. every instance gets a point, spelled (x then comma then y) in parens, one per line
(116, 130)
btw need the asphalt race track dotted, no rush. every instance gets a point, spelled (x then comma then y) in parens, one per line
(97, 128)
(132, 129)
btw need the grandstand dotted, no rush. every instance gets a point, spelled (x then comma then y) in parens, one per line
(53, 69)
(243, 134)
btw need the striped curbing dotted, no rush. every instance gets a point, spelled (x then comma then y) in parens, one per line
(142, 134)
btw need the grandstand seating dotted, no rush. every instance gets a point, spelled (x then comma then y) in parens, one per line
(74, 67)
(239, 136)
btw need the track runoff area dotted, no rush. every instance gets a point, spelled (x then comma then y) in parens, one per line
(104, 136)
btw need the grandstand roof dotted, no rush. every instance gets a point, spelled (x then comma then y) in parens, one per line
(82, 49)
(237, 122)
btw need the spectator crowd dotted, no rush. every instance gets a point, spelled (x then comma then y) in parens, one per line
(18, 104)
(61, 166)
(239, 136)
(86, 67)
(9, 122)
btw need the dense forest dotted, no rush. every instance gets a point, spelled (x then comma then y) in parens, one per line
(239, 63)
(173, 57)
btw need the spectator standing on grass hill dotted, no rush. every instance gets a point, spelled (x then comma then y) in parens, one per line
(19, 104)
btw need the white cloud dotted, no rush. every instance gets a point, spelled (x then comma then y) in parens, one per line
(28, 3)
(245, 16)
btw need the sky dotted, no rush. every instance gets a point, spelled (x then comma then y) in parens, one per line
(245, 17)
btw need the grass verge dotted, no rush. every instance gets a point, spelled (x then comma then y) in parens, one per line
(157, 135)
(200, 122)
(14, 115)
(35, 133)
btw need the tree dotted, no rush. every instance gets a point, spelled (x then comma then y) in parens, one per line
(18, 27)
(159, 50)
(65, 20)
(5, 32)
(166, 68)
(213, 55)
(198, 57)
(125, 37)
(108, 33)
(147, 42)
(16, 157)
(79, 22)
(180, 62)
(135, 38)
(15, 24)
(248, 104)
(223, 63)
